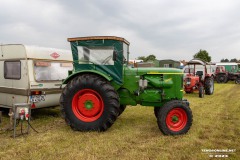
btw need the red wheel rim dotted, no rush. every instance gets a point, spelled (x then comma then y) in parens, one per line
(87, 105)
(176, 119)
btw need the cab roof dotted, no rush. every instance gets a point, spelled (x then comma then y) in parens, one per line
(196, 61)
(98, 38)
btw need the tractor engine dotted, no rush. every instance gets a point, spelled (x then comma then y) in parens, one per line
(151, 86)
(191, 83)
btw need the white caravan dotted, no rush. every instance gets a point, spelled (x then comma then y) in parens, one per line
(31, 74)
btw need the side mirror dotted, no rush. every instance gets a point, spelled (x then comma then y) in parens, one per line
(114, 55)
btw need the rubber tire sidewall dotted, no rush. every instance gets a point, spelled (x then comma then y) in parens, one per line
(101, 86)
(224, 78)
(201, 92)
(163, 112)
(208, 83)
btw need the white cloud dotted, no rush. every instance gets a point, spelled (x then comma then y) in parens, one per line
(169, 29)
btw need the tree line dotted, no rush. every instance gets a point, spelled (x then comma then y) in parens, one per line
(201, 54)
(232, 60)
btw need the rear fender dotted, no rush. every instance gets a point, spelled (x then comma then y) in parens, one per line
(75, 74)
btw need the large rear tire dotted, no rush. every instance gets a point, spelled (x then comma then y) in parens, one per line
(209, 86)
(174, 118)
(237, 81)
(201, 92)
(121, 109)
(156, 111)
(222, 78)
(89, 103)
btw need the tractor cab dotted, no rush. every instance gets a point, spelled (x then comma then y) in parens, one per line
(194, 66)
(197, 78)
(103, 55)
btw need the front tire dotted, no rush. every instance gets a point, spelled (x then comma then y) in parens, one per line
(201, 92)
(237, 81)
(89, 103)
(174, 118)
(222, 78)
(209, 86)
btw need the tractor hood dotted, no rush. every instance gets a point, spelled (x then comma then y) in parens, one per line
(142, 71)
(156, 78)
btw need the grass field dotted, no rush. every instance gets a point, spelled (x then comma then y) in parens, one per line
(135, 134)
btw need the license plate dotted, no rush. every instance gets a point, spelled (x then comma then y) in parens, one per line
(38, 98)
(188, 83)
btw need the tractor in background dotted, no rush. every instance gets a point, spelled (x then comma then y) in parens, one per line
(197, 77)
(237, 81)
(102, 84)
(227, 72)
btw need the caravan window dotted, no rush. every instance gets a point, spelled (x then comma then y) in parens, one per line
(12, 70)
(51, 71)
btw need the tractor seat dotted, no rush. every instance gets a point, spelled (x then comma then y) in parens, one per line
(199, 73)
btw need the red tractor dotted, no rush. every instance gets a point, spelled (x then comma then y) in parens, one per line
(237, 81)
(197, 78)
(223, 75)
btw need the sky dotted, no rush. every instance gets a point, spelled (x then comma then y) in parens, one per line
(169, 29)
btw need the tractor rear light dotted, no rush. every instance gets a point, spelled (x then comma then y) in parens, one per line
(36, 92)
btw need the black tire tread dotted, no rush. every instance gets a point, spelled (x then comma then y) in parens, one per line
(122, 109)
(237, 81)
(201, 92)
(162, 113)
(109, 93)
(207, 86)
(218, 78)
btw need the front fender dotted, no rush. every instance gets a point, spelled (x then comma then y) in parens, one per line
(107, 77)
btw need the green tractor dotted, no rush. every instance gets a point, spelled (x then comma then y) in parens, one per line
(102, 84)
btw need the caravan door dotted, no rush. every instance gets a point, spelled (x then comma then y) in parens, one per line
(16, 81)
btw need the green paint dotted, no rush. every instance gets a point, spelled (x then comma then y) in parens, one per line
(76, 73)
(175, 119)
(115, 71)
(88, 105)
(231, 68)
(164, 84)
(40, 85)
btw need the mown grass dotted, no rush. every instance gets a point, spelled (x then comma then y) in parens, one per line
(135, 135)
